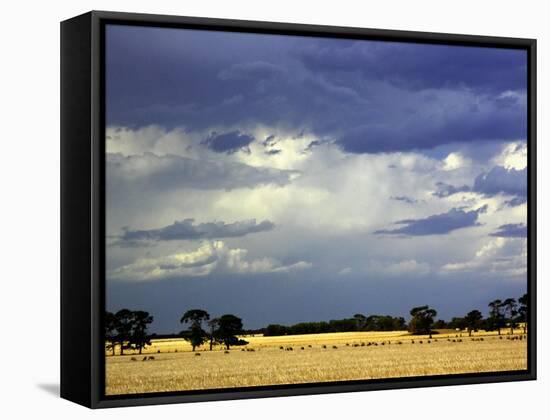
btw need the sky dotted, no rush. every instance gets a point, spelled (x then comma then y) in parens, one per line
(287, 179)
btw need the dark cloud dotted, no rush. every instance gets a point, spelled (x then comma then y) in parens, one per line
(438, 224)
(405, 199)
(500, 180)
(512, 230)
(368, 96)
(426, 121)
(417, 66)
(170, 172)
(228, 142)
(516, 201)
(269, 141)
(445, 190)
(313, 144)
(187, 230)
(253, 70)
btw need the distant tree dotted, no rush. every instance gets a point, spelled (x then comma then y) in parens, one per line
(195, 334)
(458, 323)
(229, 326)
(510, 308)
(473, 321)
(399, 324)
(124, 321)
(110, 331)
(361, 321)
(346, 324)
(496, 318)
(522, 311)
(422, 320)
(275, 330)
(212, 326)
(139, 337)
(440, 324)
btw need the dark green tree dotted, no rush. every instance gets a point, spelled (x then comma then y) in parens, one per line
(458, 323)
(124, 322)
(361, 321)
(440, 324)
(496, 318)
(522, 311)
(139, 337)
(110, 331)
(422, 320)
(195, 334)
(473, 321)
(212, 328)
(229, 326)
(510, 308)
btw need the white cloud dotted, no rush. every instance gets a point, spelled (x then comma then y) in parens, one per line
(504, 256)
(326, 215)
(454, 161)
(513, 155)
(210, 257)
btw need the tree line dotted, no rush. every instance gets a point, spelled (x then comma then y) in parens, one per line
(358, 322)
(509, 312)
(128, 329)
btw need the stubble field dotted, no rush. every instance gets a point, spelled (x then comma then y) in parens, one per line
(172, 366)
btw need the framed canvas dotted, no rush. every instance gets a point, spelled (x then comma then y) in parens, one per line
(254, 209)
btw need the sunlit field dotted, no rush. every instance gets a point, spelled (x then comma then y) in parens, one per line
(171, 365)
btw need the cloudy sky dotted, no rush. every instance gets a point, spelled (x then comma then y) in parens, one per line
(288, 179)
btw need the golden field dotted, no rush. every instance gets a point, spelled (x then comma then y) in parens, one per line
(313, 358)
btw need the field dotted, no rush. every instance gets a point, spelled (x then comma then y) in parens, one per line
(173, 366)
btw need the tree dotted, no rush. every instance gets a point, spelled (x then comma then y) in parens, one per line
(110, 331)
(195, 334)
(422, 320)
(139, 337)
(473, 321)
(124, 322)
(522, 311)
(212, 325)
(361, 321)
(458, 323)
(496, 317)
(440, 324)
(510, 308)
(229, 326)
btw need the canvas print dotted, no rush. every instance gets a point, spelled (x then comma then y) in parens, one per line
(286, 210)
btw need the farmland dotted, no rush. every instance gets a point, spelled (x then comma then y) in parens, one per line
(292, 359)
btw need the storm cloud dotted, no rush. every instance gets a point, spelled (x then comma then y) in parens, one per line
(511, 230)
(500, 180)
(228, 142)
(188, 230)
(367, 96)
(445, 190)
(437, 224)
(405, 199)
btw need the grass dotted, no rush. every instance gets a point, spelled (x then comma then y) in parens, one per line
(352, 359)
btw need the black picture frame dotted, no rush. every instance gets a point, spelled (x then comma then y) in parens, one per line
(83, 209)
